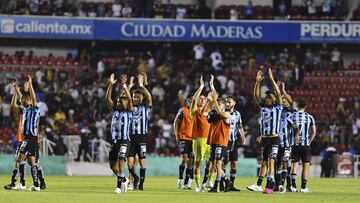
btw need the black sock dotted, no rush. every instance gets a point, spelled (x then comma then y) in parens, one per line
(206, 175)
(260, 179)
(142, 176)
(119, 181)
(283, 175)
(34, 170)
(293, 180)
(133, 174)
(303, 184)
(13, 176)
(40, 174)
(181, 171)
(232, 175)
(187, 175)
(192, 173)
(277, 178)
(216, 184)
(22, 173)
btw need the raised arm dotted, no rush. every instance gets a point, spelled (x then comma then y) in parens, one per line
(123, 79)
(276, 87)
(32, 91)
(109, 101)
(211, 83)
(224, 115)
(286, 95)
(208, 105)
(259, 78)
(146, 91)
(193, 106)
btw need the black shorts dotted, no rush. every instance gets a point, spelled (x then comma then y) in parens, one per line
(29, 147)
(217, 152)
(301, 152)
(231, 152)
(269, 147)
(284, 154)
(185, 147)
(119, 150)
(138, 146)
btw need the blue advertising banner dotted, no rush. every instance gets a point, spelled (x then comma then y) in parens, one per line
(46, 27)
(179, 30)
(172, 30)
(332, 32)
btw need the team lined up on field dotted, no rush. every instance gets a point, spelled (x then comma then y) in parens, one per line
(208, 128)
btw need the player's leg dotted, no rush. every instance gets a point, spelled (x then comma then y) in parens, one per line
(15, 171)
(40, 170)
(121, 175)
(274, 145)
(198, 159)
(183, 160)
(233, 158)
(131, 162)
(263, 168)
(295, 158)
(189, 164)
(306, 156)
(142, 161)
(34, 170)
(284, 166)
(114, 164)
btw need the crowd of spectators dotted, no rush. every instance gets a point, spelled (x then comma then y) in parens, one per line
(72, 99)
(308, 10)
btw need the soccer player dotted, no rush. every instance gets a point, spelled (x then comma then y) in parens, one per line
(183, 133)
(301, 149)
(219, 138)
(200, 133)
(141, 111)
(271, 109)
(29, 123)
(236, 134)
(120, 126)
(287, 131)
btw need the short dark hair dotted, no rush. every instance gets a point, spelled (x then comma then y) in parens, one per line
(269, 92)
(231, 97)
(302, 103)
(138, 91)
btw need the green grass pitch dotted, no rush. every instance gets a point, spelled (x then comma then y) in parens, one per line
(65, 189)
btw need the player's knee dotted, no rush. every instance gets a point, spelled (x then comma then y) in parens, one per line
(233, 165)
(273, 155)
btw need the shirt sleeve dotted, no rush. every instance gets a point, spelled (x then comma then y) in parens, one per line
(240, 120)
(312, 121)
(180, 114)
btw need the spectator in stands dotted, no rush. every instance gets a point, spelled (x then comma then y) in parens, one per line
(43, 110)
(101, 126)
(327, 161)
(91, 12)
(230, 86)
(199, 51)
(127, 11)
(180, 12)
(100, 68)
(100, 10)
(336, 58)
(311, 9)
(169, 10)
(233, 14)
(158, 93)
(340, 110)
(34, 7)
(5, 112)
(203, 11)
(334, 132)
(324, 56)
(147, 10)
(339, 8)
(282, 10)
(216, 61)
(85, 136)
(116, 9)
(249, 10)
(284, 57)
(39, 76)
(326, 8)
(309, 60)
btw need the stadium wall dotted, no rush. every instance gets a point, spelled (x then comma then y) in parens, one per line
(53, 165)
(179, 30)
